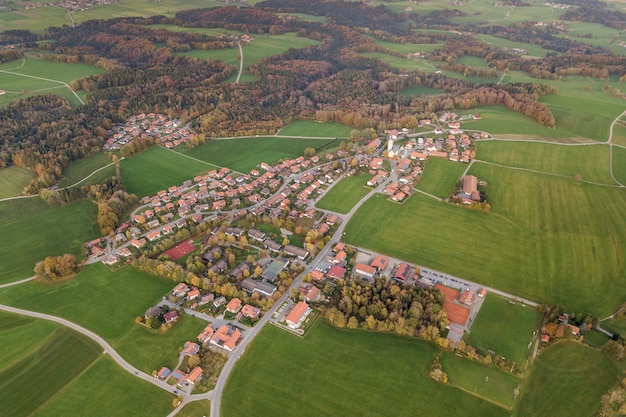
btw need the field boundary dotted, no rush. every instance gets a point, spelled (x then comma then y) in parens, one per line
(46, 79)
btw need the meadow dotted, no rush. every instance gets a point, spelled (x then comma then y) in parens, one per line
(615, 325)
(504, 328)
(619, 133)
(336, 369)
(418, 90)
(543, 239)
(440, 176)
(408, 48)
(157, 168)
(246, 153)
(315, 129)
(196, 409)
(591, 162)
(80, 169)
(567, 380)
(13, 179)
(32, 230)
(619, 164)
(345, 194)
(21, 336)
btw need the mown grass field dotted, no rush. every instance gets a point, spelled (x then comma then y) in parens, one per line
(615, 325)
(244, 154)
(345, 194)
(13, 179)
(408, 48)
(336, 370)
(533, 50)
(21, 336)
(594, 338)
(619, 133)
(32, 230)
(106, 390)
(484, 381)
(196, 409)
(157, 168)
(81, 169)
(590, 162)
(543, 239)
(619, 164)
(30, 382)
(313, 129)
(440, 176)
(567, 380)
(504, 328)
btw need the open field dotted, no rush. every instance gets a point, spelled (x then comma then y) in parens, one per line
(345, 194)
(595, 338)
(533, 50)
(21, 336)
(196, 409)
(16, 84)
(440, 176)
(13, 179)
(484, 381)
(244, 154)
(619, 164)
(505, 328)
(570, 371)
(30, 382)
(615, 325)
(543, 239)
(102, 301)
(418, 90)
(590, 162)
(311, 128)
(32, 230)
(473, 61)
(86, 166)
(336, 370)
(619, 133)
(408, 48)
(105, 389)
(157, 168)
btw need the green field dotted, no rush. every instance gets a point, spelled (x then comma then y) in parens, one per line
(32, 230)
(418, 90)
(21, 336)
(18, 82)
(473, 61)
(244, 154)
(345, 194)
(13, 180)
(336, 372)
(157, 168)
(484, 381)
(619, 134)
(408, 48)
(615, 325)
(507, 329)
(543, 239)
(533, 50)
(594, 338)
(567, 380)
(106, 390)
(590, 162)
(31, 381)
(314, 129)
(196, 409)
(440, 176)
(619, 164)
(81, 169)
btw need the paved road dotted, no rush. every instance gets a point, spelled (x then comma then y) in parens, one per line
(46, 79)
(10, 284)
(240, 62)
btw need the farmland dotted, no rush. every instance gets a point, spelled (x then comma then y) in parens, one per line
(32, 230)
(244, 154)
(504, 328)
(13, 180)
(440, 176)
(345, 194)
(567, 370)
(83, 168)
(619, 164)
(314, 129)
(338, 366)
(157, 168)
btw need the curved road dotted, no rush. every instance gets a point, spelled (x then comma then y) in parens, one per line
(240, 62)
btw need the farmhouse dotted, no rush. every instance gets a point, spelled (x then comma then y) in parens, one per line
(298, 314)
(470, 184)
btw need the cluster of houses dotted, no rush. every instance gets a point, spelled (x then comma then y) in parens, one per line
(159, 126)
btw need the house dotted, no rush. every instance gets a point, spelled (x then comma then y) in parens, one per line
(403, 272)
(163, 373)
(272, 246)
(226, 337)
(257, 235)
(482, 293)
(191, 348)
(470, 184)
(193, 294)
(218, 302)
(293, 250)
(337, 272)
(233, 305)
(194, 375)
(205, 335)
(317, 275)
(365, 270)
(298, 314)
(467, 297)
(339, 257)
(545, 338)
(575, 329)
(171, 317)
(180, 290)
(206, 299)
(380, 262)
(262, 287)
(251, 311)
(339, 247)
(154, 235)
(312, 293)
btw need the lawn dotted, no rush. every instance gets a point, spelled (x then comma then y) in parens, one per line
(567, 380)
(440, 176)
(315, 129)
(13, 180)
(594, 338)
(345, 194)
(106, 390)
(196, 409)
(335, 370)
(504, 328)
(83, 169)
(244, 154)
(32, 230)
(544, 238)
(157, 168)
(615, 325)
(590, 162)
(30, 382)
(484, 381)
